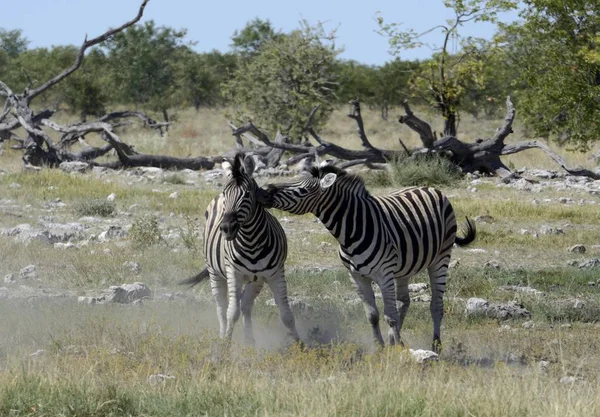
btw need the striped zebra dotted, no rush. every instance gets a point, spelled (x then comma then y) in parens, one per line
(386, 239)
(243, 244)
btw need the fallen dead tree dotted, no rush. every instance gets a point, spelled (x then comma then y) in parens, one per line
(484, 155)
(39, 149)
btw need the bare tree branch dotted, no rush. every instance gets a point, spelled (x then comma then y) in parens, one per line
(418, 125)
(356, 116)
(86, 44)
(521, 146)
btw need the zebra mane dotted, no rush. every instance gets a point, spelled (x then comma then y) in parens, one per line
(238, 172)
(351, 179)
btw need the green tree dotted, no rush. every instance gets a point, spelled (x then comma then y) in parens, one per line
(200, 77)
(85, 91)
(143, 66)
(285, 80)
(444, 81)
(12, 42)
(556, 51)
(252, 37)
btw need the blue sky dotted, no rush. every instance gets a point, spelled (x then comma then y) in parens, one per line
(212, 23)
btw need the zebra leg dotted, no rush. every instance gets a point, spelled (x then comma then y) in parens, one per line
(278, 286)
(390, 309)
(365, 292)
(438, 273)
(402, 304)
(218, 286)
(251, 291)
(234, 287)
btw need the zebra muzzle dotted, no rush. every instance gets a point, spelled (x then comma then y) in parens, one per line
(230, 229)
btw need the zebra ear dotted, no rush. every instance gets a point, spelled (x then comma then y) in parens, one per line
(249, 165)
(226, 165)
(328, 180)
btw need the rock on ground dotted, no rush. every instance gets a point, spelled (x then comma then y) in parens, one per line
(476, 306)
(577, 249)
(500, 311)
(127, 293)
(510, 310)
(28, 272)
(417, 287)
(159, 378)
(526, 290)
(74, 166)
(423, 356)
(123, 294)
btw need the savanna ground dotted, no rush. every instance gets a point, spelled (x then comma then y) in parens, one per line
(97, 360)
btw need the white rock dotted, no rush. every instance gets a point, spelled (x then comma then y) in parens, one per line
(111, 197)
(577, 249)
(127, 293)
(527, 290)
(476, 250)
(492, 264)
(174, 195)
(9, 279)
(484, 218)
(418, 287)
(569, 379)
(28, 272)
(505, 328)
(528, 324)
(423, 356)
(63, 246)
(549, 230)
(74, 166)
(159, 378)
(453, 264)
(578, 304)
(476, 306)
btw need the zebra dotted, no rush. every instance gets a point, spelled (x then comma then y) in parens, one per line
(386, 239)
(243, 244)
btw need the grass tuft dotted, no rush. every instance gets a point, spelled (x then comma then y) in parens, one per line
(101, 208)
(433, 171)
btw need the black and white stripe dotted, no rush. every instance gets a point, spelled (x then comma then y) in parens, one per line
(386, 239)
(243, 244)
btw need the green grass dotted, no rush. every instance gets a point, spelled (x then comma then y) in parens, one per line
(433, 171)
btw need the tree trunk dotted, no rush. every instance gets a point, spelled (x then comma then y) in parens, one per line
(385, 110)
(166, 117)
(449, 122)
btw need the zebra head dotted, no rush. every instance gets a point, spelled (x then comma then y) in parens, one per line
(239, 201)
(306, 193)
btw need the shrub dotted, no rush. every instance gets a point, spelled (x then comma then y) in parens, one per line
(145, 231)
(102, 208)
(174, 179)
(426, 170)
(189, 235)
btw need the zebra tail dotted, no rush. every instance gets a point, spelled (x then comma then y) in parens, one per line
(196, 279)
(469, 231)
